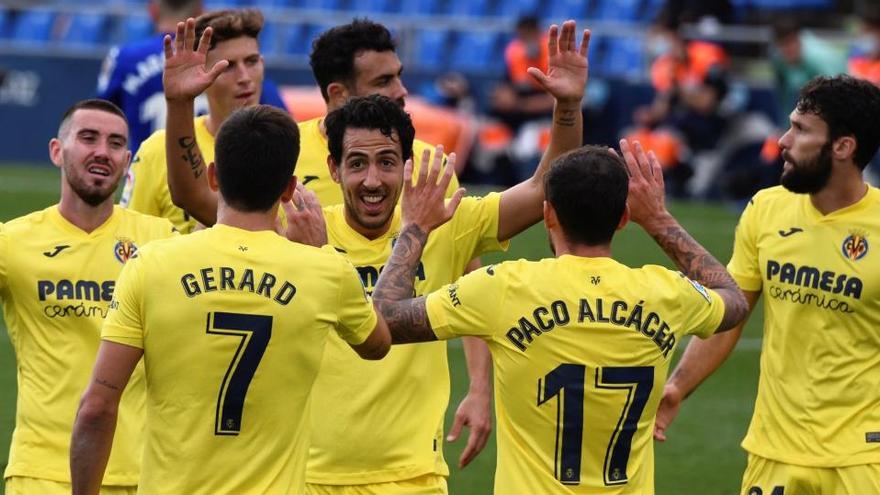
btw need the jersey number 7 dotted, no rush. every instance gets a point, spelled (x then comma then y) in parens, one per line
(254, 332)
(566, 382)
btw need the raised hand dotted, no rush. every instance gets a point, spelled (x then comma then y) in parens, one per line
(424, 202)
(566, 75)
(186, 74)
(305, 218)
(647, 195)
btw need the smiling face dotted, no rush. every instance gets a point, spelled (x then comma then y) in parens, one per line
(241, 83)
(371, 175)
(806, 150)
(92, 153)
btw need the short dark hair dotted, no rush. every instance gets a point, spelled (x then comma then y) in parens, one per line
(334, 51)
(255, 154)
(179, 9)
(528, 23)
(588, 188)
(785, 27)
(229, 24)
(90, 104)
(850, 107)
(369, 112)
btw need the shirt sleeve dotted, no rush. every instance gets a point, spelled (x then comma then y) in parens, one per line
(743, 266)
(475, 225)
(4, 258)
(110, 78)
(470, 306)
(124, 322)
(357, 318)
(701, 308)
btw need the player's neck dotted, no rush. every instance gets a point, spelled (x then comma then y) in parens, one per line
(584, 251)
(253, 221)
(83, 215)
(845, 188)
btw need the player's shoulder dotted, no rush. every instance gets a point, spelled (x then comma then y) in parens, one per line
(771, 197)
(309, 125)
(151, 225)
(27, 222)
(153, 146)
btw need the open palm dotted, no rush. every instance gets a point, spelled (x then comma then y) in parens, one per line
(186, 75)
(566, 74)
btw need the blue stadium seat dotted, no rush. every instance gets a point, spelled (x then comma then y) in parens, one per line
(518, 8)
(792, 4)
(477, 51)
(270, 39)
(624, 57)
(469, 7)
(273, 4)
(133, 27)
(296, 39)
(617, 10)
(5, 23)
(33, 26)
(323, 4)
(560, 10)
(652, 9)
(86, 29)
(377, 6)
(419, 7)
(432, 48)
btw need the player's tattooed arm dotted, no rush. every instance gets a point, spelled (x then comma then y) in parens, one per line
(647, 207)
(185, 77)
(407, 318)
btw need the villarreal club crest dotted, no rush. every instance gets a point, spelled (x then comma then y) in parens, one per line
(124, 250)
(855, 246)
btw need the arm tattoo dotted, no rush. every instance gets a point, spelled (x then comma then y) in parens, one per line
(192, 155)
(407, 318)
(698, 264)
(106, 384)
(566, 118)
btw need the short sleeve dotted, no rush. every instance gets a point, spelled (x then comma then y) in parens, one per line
(124, 322)
(743, 266)
(357, 317)
(476, 224)
(701, 308)
(4, 258)
(110, 78)
(469, 306)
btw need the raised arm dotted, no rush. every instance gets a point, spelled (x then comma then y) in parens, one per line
(186, 77)
(522, 205)
(95, 422)
(647, 207)
(423, 209)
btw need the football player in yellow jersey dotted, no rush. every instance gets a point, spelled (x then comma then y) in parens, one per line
(806, 247)
(369, 139)
(231, 322)
(58, 267)
(239, 85)
(580, 343)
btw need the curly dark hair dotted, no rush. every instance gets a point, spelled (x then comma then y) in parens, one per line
(369, 112)
(255, 155)
(334, 51)
(229, 24)
(850, 107)
(587, 188)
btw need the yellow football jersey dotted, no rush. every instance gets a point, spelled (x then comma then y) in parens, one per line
(820, 359)
(581, 348)
(146, 183)
(312, 170)
(233, 325)
(56, 283)
(382, 421)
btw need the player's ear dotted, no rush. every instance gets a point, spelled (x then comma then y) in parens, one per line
(55, 151)
(212, 177)
(287, 194)
(624, 218)
(844, 148)
(334, 169)
(337, 94)
(550, 219)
